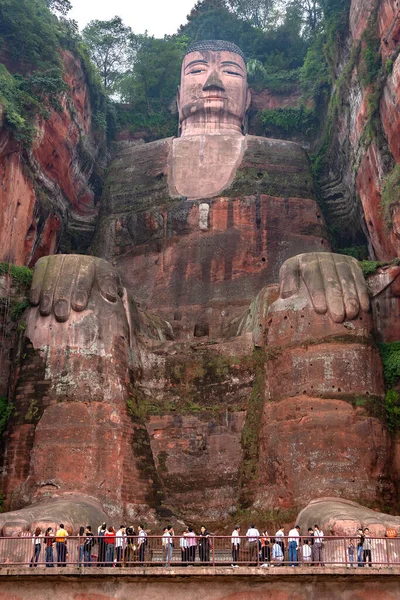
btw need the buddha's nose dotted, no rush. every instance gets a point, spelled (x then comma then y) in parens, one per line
(213, 83)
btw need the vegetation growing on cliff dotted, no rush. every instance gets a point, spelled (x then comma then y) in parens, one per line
(390, 354)
(6, 409)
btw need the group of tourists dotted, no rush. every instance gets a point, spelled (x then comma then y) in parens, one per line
(125, 546)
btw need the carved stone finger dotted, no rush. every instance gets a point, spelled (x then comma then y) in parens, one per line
(332, 286)
(349, 290)
(83, 283)
(64, 288)
(360, 282)
(50, 279)
(37, 280)
(312, 277)
(108, 281)
(289, 277)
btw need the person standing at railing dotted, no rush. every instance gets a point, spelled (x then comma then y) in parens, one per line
(109, 540)
(367, 558)
(277, 554)
(142, 543)
(279, 539)
(317, 547)
(293, 544)
(81, 542)
(120, 543)
(183, 544)
(204, 545)
(265, 549)
(37, 545)
(49, 543)
(307, 551)
(252, 541)
(351, 551)
(101, 531)
(235, 541)
(61, 546)
(88, 546)
(192, 543)
(360, 542)
(129, 555)
(167, 546)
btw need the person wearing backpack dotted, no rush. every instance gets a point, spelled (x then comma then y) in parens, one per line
(88, 545)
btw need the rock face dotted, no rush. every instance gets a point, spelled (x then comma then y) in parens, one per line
(47, 194)
(160, 397)
(364, 149)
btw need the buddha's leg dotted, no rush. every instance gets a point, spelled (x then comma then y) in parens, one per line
(70, 435)
(320, 433)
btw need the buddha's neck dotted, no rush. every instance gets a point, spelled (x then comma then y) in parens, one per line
(210, 125)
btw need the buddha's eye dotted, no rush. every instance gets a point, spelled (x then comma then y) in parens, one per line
(196, 71)
(233, 73)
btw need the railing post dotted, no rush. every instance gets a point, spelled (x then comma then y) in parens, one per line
(345, 550)
(213, 549)
(387, 552)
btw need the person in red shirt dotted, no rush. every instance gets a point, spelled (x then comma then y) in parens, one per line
(109, 540)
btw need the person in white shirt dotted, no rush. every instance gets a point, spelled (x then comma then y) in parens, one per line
(277, 554)
(306, 551)
(235, 540)
(167, 545)
(317, 546)
(279, 539)
(120, 543)
(293, 544)
(252, 538)
(142, 541)
(183, 544)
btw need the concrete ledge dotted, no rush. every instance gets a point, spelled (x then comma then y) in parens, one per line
(198, 572)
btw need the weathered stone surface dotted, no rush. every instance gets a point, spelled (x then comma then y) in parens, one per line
(206, 260)
(46, 193)
(337, 516)
(220, 583)
(71, 511)
(312, 447)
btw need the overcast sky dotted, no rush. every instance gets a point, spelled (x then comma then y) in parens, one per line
(157, 16)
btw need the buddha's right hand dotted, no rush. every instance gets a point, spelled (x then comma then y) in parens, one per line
(65, 281)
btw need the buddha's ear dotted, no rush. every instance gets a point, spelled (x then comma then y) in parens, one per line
(178, 104)
(248, 99)
(178, 98)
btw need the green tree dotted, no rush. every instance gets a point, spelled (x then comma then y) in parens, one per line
(259, 13)
(108, 43)
(59, 6)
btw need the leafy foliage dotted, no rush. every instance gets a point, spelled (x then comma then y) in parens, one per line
(22, 275)
(5, 412)
(390, 194)
(289, 120)
(390, 354)
(392, 408)
(108, 43)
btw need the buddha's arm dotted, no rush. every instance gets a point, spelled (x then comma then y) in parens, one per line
(335, 283)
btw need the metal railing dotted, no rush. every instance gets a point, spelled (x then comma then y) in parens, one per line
(212, 551)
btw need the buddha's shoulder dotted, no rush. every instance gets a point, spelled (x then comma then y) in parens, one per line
(140, 155)
(261, 149)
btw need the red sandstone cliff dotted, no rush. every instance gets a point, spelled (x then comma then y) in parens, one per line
(365, 146)
(46, 197)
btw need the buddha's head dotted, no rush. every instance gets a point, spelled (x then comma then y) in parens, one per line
(213, 96)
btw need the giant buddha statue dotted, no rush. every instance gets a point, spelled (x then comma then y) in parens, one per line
(192, 229)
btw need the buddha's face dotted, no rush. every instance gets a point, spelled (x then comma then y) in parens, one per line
(213, 93)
